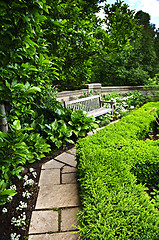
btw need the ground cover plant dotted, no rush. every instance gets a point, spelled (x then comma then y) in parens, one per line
(115, 179)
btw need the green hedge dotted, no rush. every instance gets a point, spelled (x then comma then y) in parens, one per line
(114, 166)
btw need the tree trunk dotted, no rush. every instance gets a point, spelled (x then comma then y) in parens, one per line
(3, 120)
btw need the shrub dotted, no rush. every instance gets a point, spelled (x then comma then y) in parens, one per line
(125, 103)
(112, 179)
(16, 149)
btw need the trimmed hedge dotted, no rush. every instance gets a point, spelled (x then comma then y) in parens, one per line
(114, 166)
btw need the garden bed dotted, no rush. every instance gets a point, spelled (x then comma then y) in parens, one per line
(6, 229)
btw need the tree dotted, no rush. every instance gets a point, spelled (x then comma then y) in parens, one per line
(149, 60)
(156, 43)
(70, 28)
(121, 33)
(24, 65)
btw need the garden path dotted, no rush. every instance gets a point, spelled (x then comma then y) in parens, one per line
(58, 200)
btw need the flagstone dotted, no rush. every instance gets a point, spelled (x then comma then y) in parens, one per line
(68, 219)
(57, 196)
(43, 222)
(72, 151)
(68, 169)
(55, 236)
(49, 176)
(52, 164)
(69, 178)
(67, 158)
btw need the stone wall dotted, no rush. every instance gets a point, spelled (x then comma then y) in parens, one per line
(98, 89)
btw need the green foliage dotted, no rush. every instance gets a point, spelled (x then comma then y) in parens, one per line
(135, 98)
(23, 48)
(147, 44)
(152, 84)
(87, 94)
(70, 28)
(67, 127)
(153, 81)
(58, 132)
(112, 178)
(125, 103)
(13, 154)
(104, 119)
(37, 146)
(80, 123)
(16, 149)
(121, 25)
(155, 197)
(129, 48)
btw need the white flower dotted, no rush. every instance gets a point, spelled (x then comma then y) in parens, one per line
(34, 174)
(21, 206)
(4, 210)
(9, 198)
(26, 194)
(29, 182)
(13, 187)
(14, 236)
(31, 169)
(131, 107)
(20, 221)
(25, 177)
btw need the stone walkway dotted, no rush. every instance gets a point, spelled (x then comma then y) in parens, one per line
(58, 200)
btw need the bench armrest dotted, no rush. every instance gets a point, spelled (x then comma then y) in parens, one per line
(110, 102)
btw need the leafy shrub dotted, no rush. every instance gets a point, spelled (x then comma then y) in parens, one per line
(135, 98)
(13, 154)
(58, 132)
(123, 104)
(104, 120)
(153, 85)
(115, 202)
(37, 146)
(16, 149)
(155, 196)
(80, 123)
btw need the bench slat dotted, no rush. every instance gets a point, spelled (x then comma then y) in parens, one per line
(99, 112)
(92, 105)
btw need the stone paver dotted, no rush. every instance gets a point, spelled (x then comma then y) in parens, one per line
(72, 151)
(44, 221)
(67, 169)
(49, 176)
(69, 178)
(67, 158)
(52, 164)
(68, 219)
(58, 196)
(55, 236)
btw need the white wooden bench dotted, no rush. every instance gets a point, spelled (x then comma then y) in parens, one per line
(92, 105)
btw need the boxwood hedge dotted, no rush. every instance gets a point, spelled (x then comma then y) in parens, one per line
(115, 166)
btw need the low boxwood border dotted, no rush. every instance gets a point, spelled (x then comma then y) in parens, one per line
(113, 167)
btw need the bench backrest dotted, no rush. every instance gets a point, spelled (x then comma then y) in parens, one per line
(86, 104)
